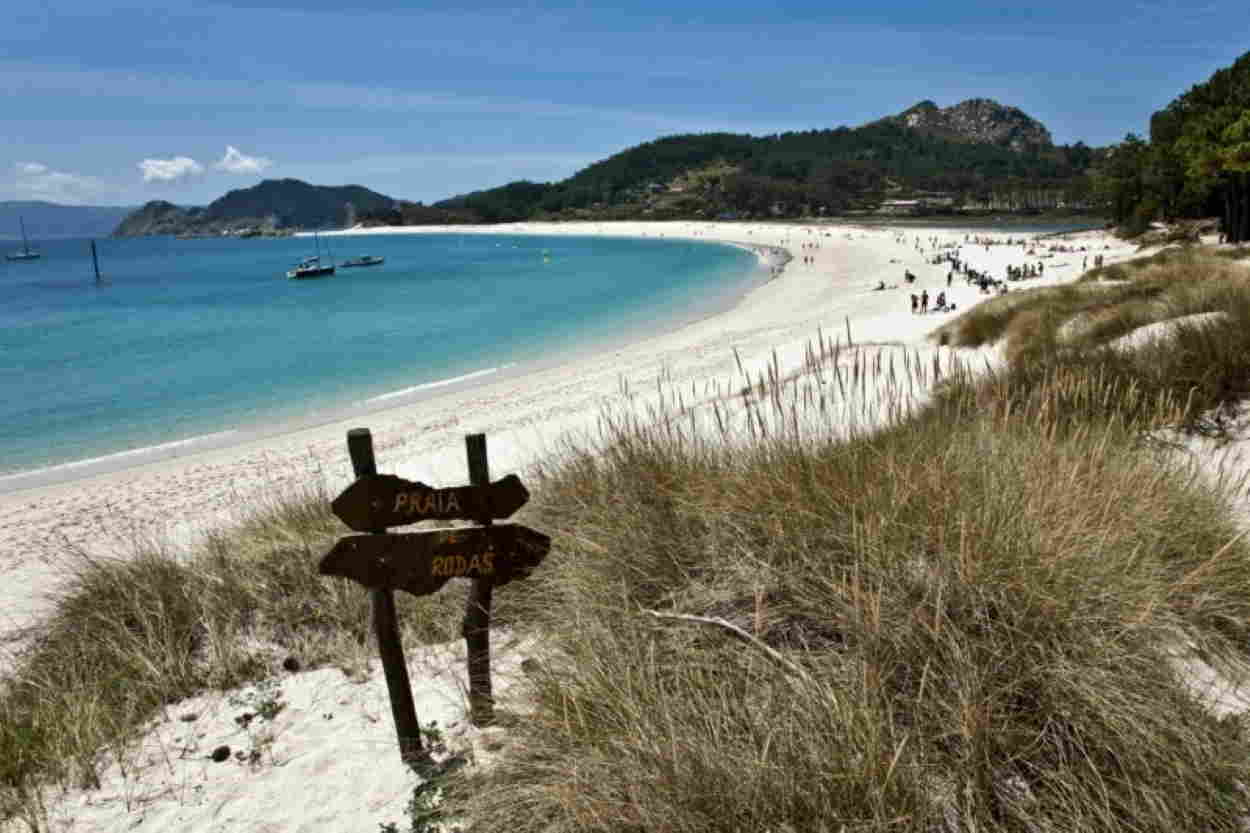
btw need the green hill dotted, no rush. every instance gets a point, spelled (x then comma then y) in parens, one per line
(975, 155)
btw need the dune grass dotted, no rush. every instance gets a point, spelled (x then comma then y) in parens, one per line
(966, 618)
(976, 608)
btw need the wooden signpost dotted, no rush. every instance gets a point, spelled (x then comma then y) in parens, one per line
(422, 562)
(382, 500)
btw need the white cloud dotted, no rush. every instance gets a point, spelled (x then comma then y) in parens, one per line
(169, 170)
(236, 163)
(36, 181)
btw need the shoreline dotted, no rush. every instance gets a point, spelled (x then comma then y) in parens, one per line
(525, 414)
(706, 302)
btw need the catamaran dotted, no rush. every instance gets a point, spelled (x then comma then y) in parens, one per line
(25, 253)
(312, 267)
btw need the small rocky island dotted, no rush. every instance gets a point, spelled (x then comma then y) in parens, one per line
(273, 208)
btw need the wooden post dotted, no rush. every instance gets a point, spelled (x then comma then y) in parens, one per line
(96, 261)
(404, 712)
(475, 627)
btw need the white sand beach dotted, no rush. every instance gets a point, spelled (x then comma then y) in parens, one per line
(333, 765)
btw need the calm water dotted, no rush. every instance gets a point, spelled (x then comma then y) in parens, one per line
(192, 338)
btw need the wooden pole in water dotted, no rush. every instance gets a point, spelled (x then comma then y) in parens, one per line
(96, 260)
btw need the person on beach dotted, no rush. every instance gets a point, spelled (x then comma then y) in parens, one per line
(915, 303)
(924, 301)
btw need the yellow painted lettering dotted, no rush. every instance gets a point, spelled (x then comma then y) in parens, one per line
(453, 505)
(401, 500)
(436, 567)
(475, 563)
(488, 562)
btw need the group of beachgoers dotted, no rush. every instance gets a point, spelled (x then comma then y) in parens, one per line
(971, 276)
(1025, 271)
(920, 304)
(809, 259)
(947, 253)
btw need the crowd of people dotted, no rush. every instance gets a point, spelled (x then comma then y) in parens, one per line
(938, 252)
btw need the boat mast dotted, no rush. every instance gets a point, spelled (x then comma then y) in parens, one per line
(25, 242)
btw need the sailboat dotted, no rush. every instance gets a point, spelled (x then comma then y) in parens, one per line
(311, 267)
(25, 253)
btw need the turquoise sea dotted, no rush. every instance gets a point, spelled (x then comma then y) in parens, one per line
(198, 343)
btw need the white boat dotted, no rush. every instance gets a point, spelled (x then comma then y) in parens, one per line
(25, 253)
(311, 267)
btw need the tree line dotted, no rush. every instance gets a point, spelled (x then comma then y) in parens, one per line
(1196, 162)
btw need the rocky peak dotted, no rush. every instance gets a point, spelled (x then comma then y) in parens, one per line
(978, 120)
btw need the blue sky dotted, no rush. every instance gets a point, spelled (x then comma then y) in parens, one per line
(120, 103)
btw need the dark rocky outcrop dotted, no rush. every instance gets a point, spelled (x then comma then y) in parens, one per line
(978, 120)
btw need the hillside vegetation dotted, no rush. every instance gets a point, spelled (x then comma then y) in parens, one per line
(975, 154)
(792, 174)
(1196, 162)
(969, 618)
